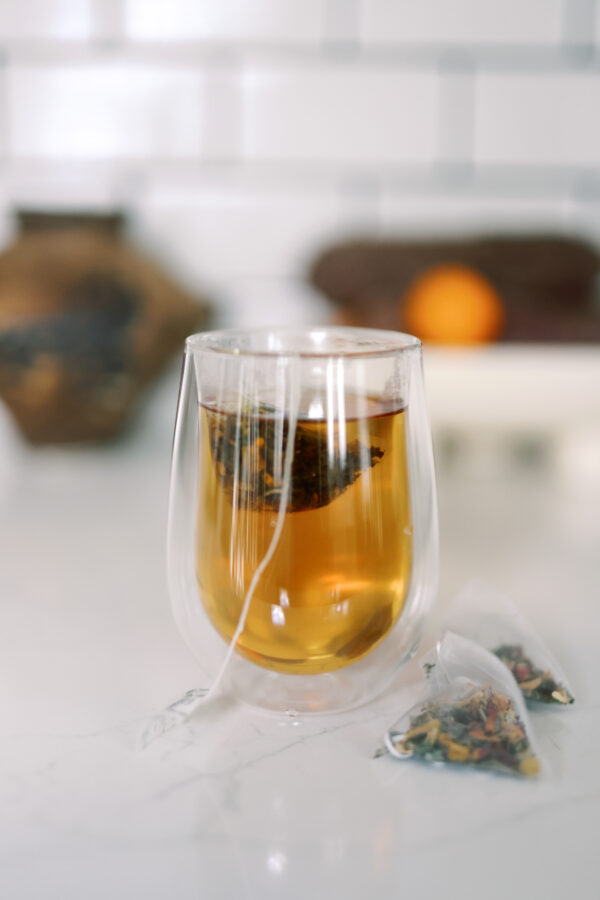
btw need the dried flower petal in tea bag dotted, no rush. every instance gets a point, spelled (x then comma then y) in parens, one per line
(492, 620)
(482, 729)
(473, 714)
(535, 684)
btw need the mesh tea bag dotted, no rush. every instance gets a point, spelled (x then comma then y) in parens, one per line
(472, 715)
(494, 621)
(248, 451)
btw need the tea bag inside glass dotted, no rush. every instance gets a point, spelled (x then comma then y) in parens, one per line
(472, 714)
(247, 447)
(494, 621)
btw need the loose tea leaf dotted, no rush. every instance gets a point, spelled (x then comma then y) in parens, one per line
(483, 730)
(248, 452)
(535, 684)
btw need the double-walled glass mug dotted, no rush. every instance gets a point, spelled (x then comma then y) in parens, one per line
(302, 546)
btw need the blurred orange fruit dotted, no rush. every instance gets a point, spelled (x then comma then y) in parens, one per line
(453, 304)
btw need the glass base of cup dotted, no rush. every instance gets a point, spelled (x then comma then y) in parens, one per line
(331, 692)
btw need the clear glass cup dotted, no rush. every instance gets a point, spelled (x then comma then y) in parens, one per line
(302, 538)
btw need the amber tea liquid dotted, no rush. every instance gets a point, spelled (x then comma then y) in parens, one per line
(339, 577)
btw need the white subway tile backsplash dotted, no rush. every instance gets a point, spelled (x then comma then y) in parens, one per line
(288, 21)
(456, 115)
(341, 21)
(222, 136)
(69, 185)
(578, 22)
(104, 110)
(270, 302)
(46, 19)
(459, 214)
(108, 20)
(469, 22)
(340, 112)
(535, 119)
(224, 232)
(243, 157)
(360, 205)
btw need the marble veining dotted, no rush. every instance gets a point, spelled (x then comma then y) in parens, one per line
(238, 803)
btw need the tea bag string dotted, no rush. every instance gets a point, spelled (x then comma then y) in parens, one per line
(281, 512)
(178, 712)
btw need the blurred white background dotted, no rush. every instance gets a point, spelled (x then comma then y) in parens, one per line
(241, 135)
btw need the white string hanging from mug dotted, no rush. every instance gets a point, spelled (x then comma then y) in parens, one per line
(180, 710)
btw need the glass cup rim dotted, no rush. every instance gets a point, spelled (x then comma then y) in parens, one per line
(354, 342)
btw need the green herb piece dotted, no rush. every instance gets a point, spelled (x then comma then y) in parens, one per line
(535, 684)
(482, 730)
(248, 452)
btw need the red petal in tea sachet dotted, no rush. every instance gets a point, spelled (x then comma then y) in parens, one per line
(472, 715)
(494, 621)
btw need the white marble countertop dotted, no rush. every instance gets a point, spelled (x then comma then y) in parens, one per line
(240, 804)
